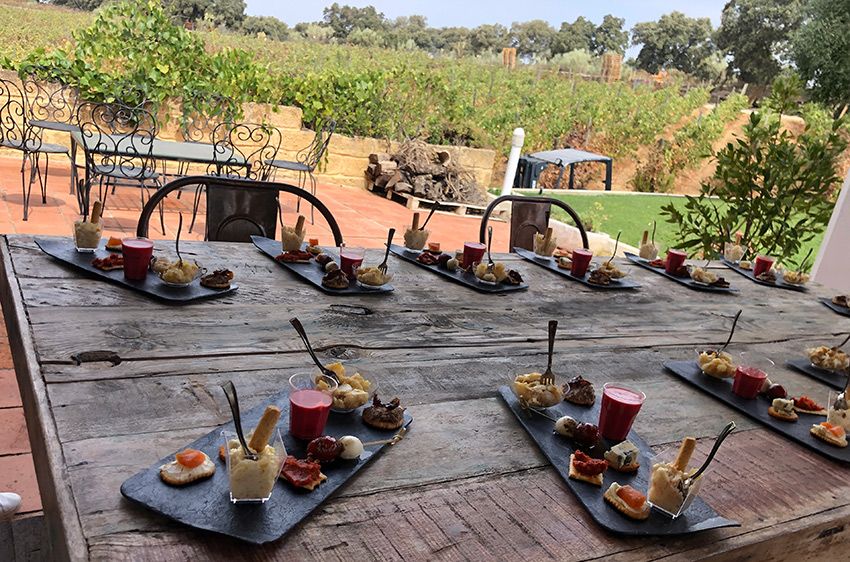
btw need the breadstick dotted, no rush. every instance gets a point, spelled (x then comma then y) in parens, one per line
(299, 224)
(546, 238)
(96, 209)
(738, 237)
(645, 238)
(685, 452)
(415, 221)
(264, 429)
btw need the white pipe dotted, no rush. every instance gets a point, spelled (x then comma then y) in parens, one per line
(517, 141)
(832, 268)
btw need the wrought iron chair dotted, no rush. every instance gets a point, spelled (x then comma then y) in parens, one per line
(237, 208)
(17, 133)
(197, 127)
(118, 143)
(529, 216)
(307, 159)
(240, 150)
(52, 105)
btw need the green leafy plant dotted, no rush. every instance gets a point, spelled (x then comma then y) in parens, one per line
(779, 192)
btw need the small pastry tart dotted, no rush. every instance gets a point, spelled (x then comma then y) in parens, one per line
(587, 469)
(623, 457)
(829, 433)
(783, 409)
(564, 262)
(627, 501)
(335, 279)
(384, 416)
(218, 279)
(841, 300)
(579, 391)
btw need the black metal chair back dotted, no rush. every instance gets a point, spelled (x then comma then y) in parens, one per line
(529, 216)
(239, 207)
(243, 150)
(197, 126)
(50, 101)
(312, 154)
(15, 129)
(118, 139)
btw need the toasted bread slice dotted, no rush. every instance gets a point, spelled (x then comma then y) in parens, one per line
(596, 480)
(824, 435)
(312, 485)
(821, 412)
(780, 416)
(617, 503)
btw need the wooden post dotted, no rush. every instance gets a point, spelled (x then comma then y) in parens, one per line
(509, 57)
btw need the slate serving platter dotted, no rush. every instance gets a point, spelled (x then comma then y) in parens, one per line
(756, 409)
(63, 250)
(699, 516)
(206, 504)
(311, 272)
(687, 282)
(748, 273)
(830, 378)
(842, 310)
(458, 276)
(549, 263)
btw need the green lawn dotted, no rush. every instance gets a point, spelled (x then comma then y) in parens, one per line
(631, 214)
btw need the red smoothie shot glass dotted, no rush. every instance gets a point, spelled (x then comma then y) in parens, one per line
(748, 382)
(308, 406)
(580, 262)
(762, 265)
(675, 260)
(473, 253)
(620, 407)
(350, 259)
(137, 257)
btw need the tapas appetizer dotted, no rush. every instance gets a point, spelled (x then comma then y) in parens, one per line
(533, 392)
(648, 248)
(305, 474)
(109, 263)
(623, 457)
(829, 358)
(587, 469)
(351, 392)
(335, 278)
(313, 246)
(579, 391)
(669, 484)
(114, 244)
(783, 409)
(717, 363)
(627, 501)
(254, 471)
(384, 416)
(806, 405)
(829, 433)
(544, 244)
(218, 279)
(292, 237)
(566, 426)
(294, 256)
(324, 449)
(87, 233)
(177, 273)
(352, 447)
(372, 277)
(188, 466)
(416, 236)
(841, 300)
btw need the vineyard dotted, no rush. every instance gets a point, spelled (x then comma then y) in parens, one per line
(374, 92)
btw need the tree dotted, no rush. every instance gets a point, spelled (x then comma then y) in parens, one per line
(532, 38)
(79, 4)
(454, 39)
(188, 10)
(821, 50)
(576, 36)
(345, 19)
(270, 26)
(756, 35)
(488, 38)
(406, 29)
(365, 38)
(610, 37)
(228, 13)
(674, 41)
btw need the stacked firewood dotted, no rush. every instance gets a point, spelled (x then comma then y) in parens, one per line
(423, 171)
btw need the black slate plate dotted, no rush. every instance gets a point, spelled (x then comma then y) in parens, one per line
(757, 409)
(842, 310)
(458, 276)
(699, 516)
(829, 378)
(681, 280)
(748, 273)
(311, 272)
(63, 250)
(549, 263)
(206, 504)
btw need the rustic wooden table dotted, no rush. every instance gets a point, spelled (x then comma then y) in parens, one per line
(467, 483)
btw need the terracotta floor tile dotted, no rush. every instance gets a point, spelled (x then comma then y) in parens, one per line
(10, 397)
(17, 474)
(13, 437)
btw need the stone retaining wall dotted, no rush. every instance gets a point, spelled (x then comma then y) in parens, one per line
(346, 159)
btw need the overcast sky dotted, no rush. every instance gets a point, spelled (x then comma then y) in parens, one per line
(470, 13)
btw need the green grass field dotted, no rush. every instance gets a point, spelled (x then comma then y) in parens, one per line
(632, 214)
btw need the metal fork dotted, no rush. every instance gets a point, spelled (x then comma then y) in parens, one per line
(383, 267)
(549, 376)
(490, 263)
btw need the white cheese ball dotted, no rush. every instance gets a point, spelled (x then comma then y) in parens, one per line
(565, 426)
(352, 447)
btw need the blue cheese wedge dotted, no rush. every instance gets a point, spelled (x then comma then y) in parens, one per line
(783, 406)
(623, 457)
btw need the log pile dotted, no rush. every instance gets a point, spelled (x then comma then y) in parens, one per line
(420, 170)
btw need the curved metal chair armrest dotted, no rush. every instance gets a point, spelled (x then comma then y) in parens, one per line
(482, 233)
(161, 193)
